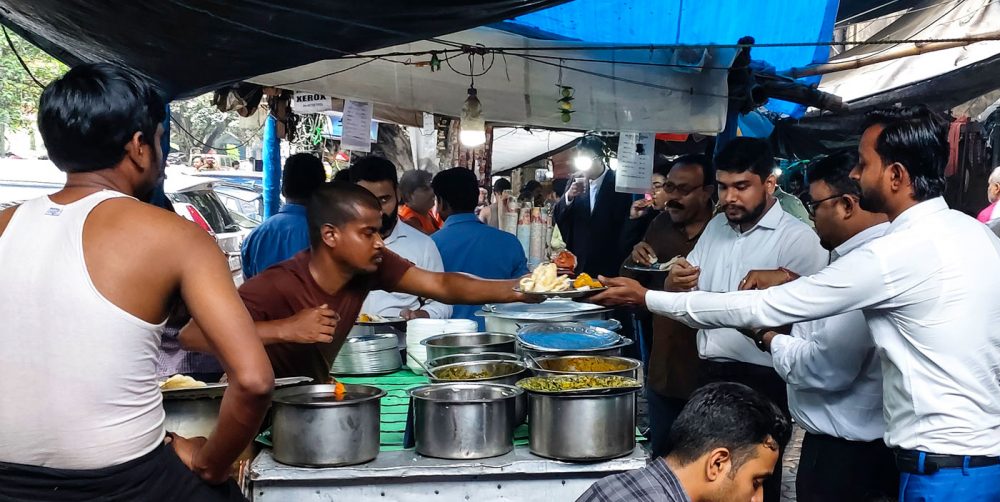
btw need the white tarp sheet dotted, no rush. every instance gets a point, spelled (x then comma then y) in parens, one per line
(518, 91)
(512, 147)
(938, 20)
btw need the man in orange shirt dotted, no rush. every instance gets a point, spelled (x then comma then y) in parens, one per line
(418, 202)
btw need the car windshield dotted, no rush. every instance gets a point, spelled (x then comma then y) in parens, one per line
(211, 208)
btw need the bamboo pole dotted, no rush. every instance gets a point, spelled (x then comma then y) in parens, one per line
(902, 52)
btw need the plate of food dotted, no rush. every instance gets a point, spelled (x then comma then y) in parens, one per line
(365, 319)
(546, 281)
(655, 266)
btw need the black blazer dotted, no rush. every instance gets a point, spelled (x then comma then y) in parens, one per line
(595, 238)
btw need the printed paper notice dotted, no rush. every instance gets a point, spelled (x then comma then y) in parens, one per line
(635, 162)
(357, 126)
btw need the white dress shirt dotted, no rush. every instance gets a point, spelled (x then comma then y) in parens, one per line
(417, 247)
(833, 374)
(726, 255)
(930, 292)
(595, 189)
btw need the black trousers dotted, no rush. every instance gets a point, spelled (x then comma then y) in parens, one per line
(833, 470)
(157, 476)
(762, 379)
(663, 411)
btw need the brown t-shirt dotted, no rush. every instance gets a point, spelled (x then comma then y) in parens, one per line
(284, 289)
(674, 364)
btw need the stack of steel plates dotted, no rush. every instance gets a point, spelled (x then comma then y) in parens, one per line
(368, 355)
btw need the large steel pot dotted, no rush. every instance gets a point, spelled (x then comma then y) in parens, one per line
(582, 427)
(467, 343)
(573, 365)
(314, 429)
(504, 373)
(464, 420)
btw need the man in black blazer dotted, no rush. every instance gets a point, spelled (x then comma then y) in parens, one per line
(591, 215)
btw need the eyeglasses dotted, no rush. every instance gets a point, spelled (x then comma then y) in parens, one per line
(812, 205)
(671, 188)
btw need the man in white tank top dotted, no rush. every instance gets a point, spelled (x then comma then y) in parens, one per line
(89, 275)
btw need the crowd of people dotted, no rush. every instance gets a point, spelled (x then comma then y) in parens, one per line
(865, 315)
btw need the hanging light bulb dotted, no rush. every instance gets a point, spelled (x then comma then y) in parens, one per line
(473, 132)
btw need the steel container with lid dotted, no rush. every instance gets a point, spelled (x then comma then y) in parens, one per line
(467, 343)
(463, 420)
(313, 427)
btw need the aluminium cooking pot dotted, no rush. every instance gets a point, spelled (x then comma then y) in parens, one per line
(313, 428)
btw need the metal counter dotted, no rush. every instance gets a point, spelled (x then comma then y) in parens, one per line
(405, 476)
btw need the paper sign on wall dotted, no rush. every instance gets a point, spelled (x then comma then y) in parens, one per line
(308, 102)
(357, 126)
(635, 162)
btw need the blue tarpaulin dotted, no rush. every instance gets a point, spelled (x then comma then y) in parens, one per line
(694, 22)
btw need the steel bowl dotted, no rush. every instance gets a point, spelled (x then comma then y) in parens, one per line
(464, 420)
(482, 356)
(582, 427)
(467, 343)
(313, 429)
(570, 365)
(504, 373)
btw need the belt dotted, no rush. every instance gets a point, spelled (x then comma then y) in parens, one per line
(918, 462)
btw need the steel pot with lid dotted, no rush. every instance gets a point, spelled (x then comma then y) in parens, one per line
(467, 343)
(313, 427)
(498, 372)
(464, 420)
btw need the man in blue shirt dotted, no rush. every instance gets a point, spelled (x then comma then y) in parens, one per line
(287, 232)
(467, 244)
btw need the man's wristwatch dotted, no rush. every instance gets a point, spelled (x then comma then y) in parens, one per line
(757, 335)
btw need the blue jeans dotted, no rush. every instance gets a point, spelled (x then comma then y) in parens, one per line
(951, 485)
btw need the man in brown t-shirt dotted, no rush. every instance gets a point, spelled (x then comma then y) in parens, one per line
(673, 367)
(296, 304)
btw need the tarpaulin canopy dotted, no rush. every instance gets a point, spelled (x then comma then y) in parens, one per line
(189, 46)
(695, 22)
(589, 45)
(515, 147)
(937, 20)
(644, 96)
(942, 79)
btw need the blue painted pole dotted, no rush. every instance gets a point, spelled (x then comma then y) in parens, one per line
(159, 197)
(727, 134)
(271, 153)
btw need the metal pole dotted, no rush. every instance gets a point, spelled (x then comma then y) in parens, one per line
(271, 153)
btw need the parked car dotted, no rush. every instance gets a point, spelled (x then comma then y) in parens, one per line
(193, 198)
(246, 205)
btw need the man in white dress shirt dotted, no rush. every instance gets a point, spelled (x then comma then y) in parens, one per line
(928, 289)
(751, 232)
(833, 373)
(378, 175)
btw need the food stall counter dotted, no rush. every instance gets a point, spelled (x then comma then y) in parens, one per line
(405, 476)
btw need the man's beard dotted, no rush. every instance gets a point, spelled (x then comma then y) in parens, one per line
(749, 216)
(389, 222)
(872, 201)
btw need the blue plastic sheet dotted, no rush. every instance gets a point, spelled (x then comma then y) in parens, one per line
(694, 22)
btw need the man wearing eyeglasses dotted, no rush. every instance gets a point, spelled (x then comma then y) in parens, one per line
(833, 372)
(928, 290)
(751, 232)
(683, 190)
